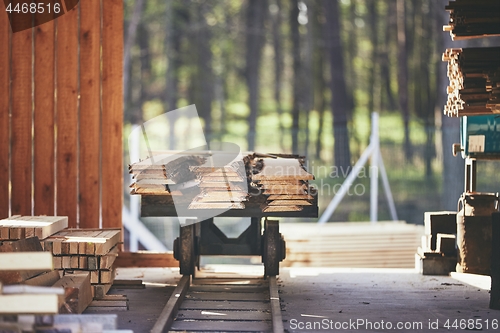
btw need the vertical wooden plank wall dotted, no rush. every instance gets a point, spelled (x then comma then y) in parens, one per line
(4, 117)
(61, 115)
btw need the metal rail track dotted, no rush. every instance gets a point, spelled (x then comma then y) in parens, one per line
(222, 305)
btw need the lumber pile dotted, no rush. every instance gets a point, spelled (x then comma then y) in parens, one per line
(352, 244)
(474, 75)
(473, 19)
(269, 183)
(86, 250)
(20, 227)
(283, 181)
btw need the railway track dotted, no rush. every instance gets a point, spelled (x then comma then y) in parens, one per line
(222, 305)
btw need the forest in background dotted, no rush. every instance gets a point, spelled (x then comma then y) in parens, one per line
(303, 77)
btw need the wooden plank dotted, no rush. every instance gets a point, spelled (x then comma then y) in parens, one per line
(67, 115)
(46, 279)
(106, 277)
(21, 121)
(100, 290)
(66, 262)
(112, 113)
(4, 117)
(168, 313)
(89, 119)
(44, 139)
(94, 277)
(111, 238)
(146, 259)
(105, 262)
(57, 262)
(11, 261)
(83, 262)
(44, 226)
(29, 304)
(74, 262)
(110, 303)
(78, 292)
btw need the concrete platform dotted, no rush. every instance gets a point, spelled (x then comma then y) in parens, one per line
(326, 299)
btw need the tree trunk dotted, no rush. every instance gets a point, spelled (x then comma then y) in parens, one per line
(373, 24)
(308, 74)
(205, 73)
(278, 66)
(297, 77)
(173, 42)
(340, 99)
(403, 76)
(256, 14)
(319, 74)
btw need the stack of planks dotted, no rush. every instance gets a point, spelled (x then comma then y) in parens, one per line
(352, 244)
(473, 19)
(220, 188)
(268, 183)
(20, 227)
(284, 181)
(88, 250)
(474, 75)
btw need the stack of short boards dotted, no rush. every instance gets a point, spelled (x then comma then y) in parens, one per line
(74, 251)
(278, 183)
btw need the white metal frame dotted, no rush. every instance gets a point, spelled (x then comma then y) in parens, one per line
(376, 165)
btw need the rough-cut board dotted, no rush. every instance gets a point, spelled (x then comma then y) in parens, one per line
(29, 226)
(44, 117)
(112, 113)
(4, 118)
(16, 261)
(78, 292)
(24, 245)
(100, 290)
(21, 121)
(357, 244)
(89, 241)
(89, 117)
(282, 169)
(30, 304)
(146, 259)
(45, 279)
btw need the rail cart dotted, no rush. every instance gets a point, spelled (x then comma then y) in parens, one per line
(261, 237)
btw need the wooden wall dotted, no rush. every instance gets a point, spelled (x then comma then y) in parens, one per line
(61, 116)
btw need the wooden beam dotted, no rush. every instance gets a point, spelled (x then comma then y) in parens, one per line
(112, 113)
(4, 117)
(13, 261)
(29, 304)
(21, 121)
(146, 259)
(78, 292)
(46, 279)
(44, 117)
(67, 115)
(90, 112)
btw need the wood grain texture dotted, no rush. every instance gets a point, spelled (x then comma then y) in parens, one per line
(89, 117)
(21, 121)
(44, 79)
(4, 117)
(67, 115)
(112, 113)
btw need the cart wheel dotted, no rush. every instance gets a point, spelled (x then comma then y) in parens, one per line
(186, 250)
(272, 252)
